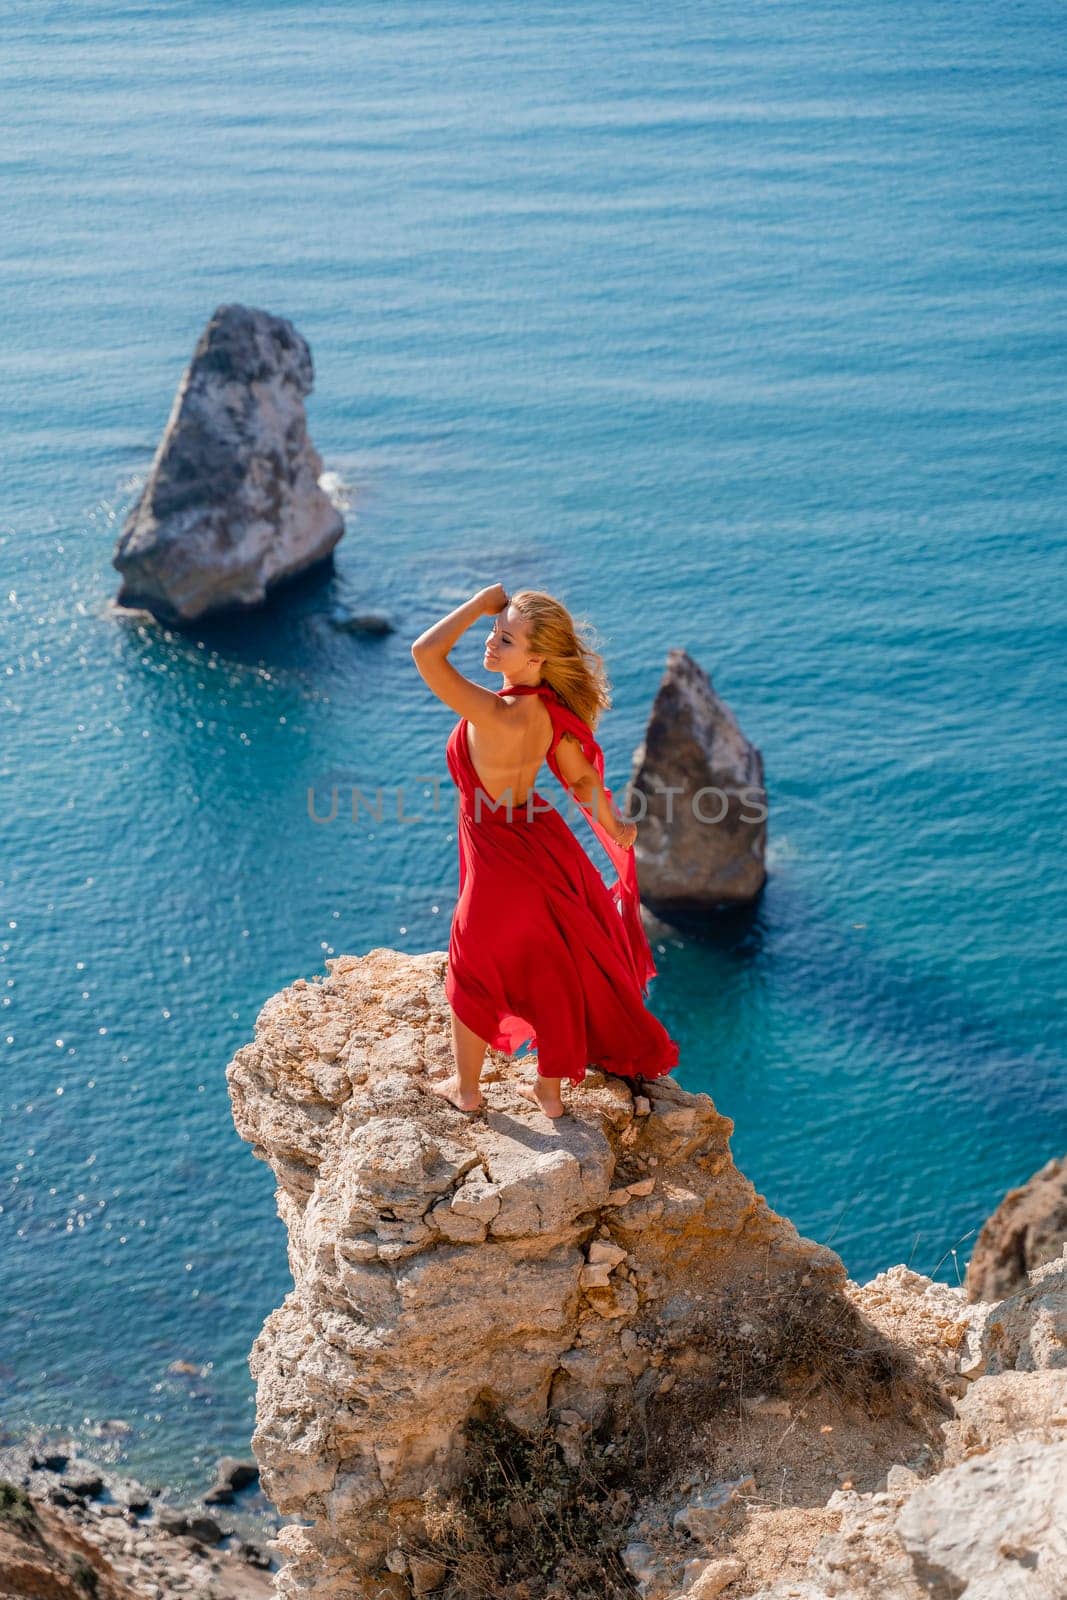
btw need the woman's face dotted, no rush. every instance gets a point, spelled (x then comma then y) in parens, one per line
(507, 647)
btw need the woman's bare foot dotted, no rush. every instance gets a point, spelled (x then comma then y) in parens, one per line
(539, 1094)
(450, 1089)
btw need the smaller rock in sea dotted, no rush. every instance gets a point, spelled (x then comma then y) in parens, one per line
(702, 821)
(368, 622)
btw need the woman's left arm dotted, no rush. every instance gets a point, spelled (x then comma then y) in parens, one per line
(584, 783)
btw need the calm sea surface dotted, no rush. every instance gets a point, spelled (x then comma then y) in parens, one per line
(739, 327)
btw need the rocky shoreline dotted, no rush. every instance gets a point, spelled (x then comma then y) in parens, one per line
(71, 1525)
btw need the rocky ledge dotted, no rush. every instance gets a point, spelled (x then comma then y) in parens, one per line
(587, 1357)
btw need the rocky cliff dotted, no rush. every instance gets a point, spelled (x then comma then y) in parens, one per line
(571, 1358)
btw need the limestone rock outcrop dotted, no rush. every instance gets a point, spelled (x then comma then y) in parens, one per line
(232, 506)
(1028, 1331)
(992, 1521)
(698, 797)
(610, 1277)
(1028, 1228)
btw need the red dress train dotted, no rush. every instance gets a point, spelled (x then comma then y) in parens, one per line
(541, 950)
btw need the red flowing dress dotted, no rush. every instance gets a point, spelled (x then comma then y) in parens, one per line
(541, 950)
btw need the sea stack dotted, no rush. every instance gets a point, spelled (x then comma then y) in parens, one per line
(698, 797)
(232, 506)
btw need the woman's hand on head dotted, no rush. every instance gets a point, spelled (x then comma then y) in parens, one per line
(493, 599)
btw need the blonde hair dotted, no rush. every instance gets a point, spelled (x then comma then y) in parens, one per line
(571, 666)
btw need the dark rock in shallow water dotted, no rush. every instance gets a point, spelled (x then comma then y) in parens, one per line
(81, 1478)
(231, 1475)
(134, 1496)
(374, 622)
(698, 798)
(232, 507)
(252, 1554)
(203, 1528)
(62, 1497)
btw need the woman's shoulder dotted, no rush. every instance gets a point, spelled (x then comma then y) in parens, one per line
(524, 712)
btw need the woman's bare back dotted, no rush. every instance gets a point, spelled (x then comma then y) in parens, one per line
(510, 753)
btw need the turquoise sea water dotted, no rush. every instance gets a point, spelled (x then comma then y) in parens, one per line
(741, 328)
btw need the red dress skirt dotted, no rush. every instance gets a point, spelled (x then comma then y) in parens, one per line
(541, 950)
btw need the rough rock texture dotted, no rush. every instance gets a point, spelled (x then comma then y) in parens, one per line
(232, 506)
(1028, 1331)
(610, 1272)
(58, 1541)
(697, 795)
(991, 1524)
(42, 1554)
(1028, 1228)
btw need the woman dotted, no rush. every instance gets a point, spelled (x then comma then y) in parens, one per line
(541, 950)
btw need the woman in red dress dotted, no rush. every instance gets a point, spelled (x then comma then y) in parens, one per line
(541, 949)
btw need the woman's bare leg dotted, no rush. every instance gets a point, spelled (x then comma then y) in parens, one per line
(468, 1051)
(545, 1092)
